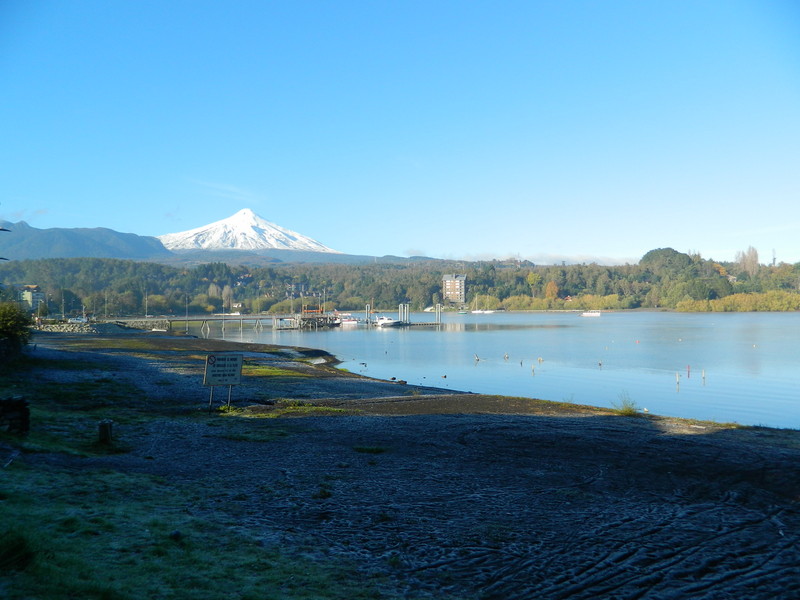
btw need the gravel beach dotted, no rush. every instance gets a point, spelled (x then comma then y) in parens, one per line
(447, 495)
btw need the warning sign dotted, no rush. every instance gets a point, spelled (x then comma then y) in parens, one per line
(223, 369)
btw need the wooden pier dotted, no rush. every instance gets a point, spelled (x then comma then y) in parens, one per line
(256, 322)
(309, 319)
(305, 321)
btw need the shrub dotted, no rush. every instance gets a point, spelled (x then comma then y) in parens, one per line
(14, 328)
(626, 406)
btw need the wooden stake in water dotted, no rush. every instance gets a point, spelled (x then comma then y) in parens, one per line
(104, 433)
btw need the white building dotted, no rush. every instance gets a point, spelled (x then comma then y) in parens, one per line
(31, 296)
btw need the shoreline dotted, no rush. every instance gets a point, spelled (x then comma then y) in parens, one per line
(323, 385)
(114, 330)
(345, 487)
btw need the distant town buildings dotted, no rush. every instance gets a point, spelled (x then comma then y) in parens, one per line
(31, 297)
(454, 288)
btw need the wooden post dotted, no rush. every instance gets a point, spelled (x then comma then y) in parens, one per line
(105, 432)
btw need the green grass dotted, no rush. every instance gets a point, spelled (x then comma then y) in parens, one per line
(95, 536)
(86, 396)
(283, 408)
(626, 407)
(80, 532)
(307, 410)
(65, 416)
(255, 370)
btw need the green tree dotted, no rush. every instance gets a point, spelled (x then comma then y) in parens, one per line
(533, 280)
(14, 328)
(666, 259)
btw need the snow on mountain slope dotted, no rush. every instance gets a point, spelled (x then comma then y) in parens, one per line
(243, 231)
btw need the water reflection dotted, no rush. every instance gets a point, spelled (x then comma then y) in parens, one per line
(488, 326)
(657, 359)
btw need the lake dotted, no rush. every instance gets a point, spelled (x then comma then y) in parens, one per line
(727, 367)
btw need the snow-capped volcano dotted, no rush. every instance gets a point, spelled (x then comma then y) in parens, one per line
(243, 231)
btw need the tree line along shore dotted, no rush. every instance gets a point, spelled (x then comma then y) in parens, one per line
(662, 279)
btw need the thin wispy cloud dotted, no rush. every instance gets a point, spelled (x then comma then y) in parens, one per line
(778, 228)
(23, 215)
(549, 259)
(229, 192)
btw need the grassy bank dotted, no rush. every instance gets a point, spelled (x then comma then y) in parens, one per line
(70, 529)
(104, 534)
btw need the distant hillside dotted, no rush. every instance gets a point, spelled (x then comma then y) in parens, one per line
(256, 258)
(26, 242)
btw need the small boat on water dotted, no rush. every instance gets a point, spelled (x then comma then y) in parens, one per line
(480, 311)
(345, 320)
(386, 322)
(591, 313)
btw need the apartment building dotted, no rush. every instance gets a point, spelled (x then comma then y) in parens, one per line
(454, 288)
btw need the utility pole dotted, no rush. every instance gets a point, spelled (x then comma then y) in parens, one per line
(4, 229)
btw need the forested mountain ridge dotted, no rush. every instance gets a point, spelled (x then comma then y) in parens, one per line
(30, 243)
(664, 278)
(99, 242)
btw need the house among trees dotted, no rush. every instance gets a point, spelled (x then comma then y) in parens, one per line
(454, 288)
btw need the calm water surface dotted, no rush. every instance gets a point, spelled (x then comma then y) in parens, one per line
(741, 367)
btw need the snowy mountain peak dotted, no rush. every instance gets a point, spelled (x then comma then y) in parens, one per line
(243, 231)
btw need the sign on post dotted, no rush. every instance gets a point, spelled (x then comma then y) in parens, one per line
(223, 369)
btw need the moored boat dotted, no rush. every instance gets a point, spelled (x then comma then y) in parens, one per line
(386, 322)
(345, 320)
(480, 311)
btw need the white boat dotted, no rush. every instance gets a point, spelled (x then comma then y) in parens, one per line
(480, 311)
(386, 322)
(591, 313)
(345, 320)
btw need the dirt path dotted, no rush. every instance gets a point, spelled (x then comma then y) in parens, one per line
(495, 499)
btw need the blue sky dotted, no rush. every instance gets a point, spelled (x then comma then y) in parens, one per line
(570, 130)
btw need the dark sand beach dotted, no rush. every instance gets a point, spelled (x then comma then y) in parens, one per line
(427, 494)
